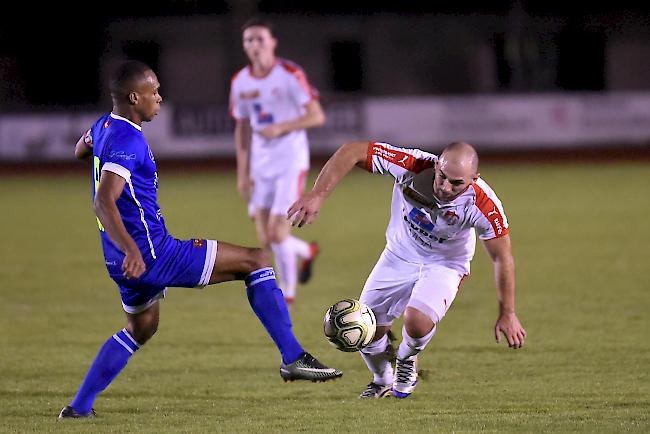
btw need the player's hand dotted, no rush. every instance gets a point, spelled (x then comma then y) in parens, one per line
(245, 187)
(305, 210)
(133, 265)
(272, 131)
(508, 324)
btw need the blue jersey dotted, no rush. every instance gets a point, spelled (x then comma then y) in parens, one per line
(120, 147)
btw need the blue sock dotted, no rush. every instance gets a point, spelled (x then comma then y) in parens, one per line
(268, 303)
(110, 360)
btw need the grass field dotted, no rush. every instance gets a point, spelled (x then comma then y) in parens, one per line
(581, 242)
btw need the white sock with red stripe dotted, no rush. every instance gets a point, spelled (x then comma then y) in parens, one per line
(287, 267)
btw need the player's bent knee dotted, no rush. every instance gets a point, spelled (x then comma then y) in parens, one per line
(417, 323)
(419, 330)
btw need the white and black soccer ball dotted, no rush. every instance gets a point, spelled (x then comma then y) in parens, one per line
(349, 325)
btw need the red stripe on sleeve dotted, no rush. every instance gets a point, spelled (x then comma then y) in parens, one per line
(234, 76)
(231, 104)
(490, 211)
(300, 75)
(402, 159)
(420, 165)
(369, 157)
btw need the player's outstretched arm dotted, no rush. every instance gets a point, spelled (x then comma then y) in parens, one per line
(306, 209)
(508, 324)
(109, 190)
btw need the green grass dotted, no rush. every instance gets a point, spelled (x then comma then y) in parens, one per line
(581, 243)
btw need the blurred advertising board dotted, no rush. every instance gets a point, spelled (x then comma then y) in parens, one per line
(494, 122)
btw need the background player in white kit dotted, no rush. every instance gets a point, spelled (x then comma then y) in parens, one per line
(273, 104)
(438, 205)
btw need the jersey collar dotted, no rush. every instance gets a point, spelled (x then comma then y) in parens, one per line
(114, 116)
(261, 77)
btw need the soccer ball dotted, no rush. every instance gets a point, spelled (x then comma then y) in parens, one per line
(349, 325)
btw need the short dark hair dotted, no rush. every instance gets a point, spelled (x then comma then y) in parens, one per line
(258, 22)
(125, 75)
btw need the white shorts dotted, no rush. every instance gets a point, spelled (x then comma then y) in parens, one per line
(394, 285)
(277, 193)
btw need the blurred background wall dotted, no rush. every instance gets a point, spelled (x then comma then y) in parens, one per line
(510, 75)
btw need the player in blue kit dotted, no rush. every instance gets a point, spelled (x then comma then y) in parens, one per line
(144, 259)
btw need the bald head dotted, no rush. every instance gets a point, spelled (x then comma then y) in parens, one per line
(463, 156)
(456, 169)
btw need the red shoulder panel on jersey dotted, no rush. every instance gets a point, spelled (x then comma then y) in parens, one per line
(234, 76)
(230, 103)
(490, 211)
(300, 75)
(402, 159)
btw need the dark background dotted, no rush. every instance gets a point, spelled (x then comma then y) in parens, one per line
(50, 54)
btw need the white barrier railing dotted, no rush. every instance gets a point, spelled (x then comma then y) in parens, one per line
(490, 122)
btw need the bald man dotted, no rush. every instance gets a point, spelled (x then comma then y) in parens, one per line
(438, 206)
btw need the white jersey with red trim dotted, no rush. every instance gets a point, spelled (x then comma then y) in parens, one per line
(279, 96)
(423, 229)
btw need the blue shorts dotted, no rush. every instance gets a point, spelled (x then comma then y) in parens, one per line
(179, 263)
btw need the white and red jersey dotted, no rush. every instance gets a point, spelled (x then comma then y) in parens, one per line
(279, 96)
(423, 229)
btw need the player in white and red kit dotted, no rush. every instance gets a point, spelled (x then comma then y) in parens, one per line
(439, 204)
(273, 105)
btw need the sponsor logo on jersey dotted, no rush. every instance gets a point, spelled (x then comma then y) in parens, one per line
(450, 217)
(250, 94)
(107, 123)
(490, 210)
(426, 239)
(400, 158)
(497, 226)
(121, 155)
(421, 220)
(262, 116)
(198, 243)
(494, 217)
